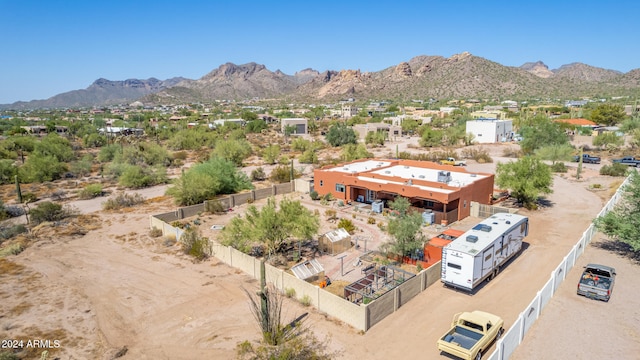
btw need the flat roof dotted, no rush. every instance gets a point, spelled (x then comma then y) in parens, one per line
(458, 179)
(361, 166)
(496, 224)
(421, 187)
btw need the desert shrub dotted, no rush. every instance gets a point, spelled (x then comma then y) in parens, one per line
(305, 300)
(282, 174)
(90, 191)
(195, 245)
(11, 231)
(137, 177)
(615, 169)
(347, 225)
(512, 152)
(559, 167)
(6, 355)
(13, 249)
(29, 197)
(479, 155)
(155, 232)
(48, 211)
(314, 195)
(258, 174)
(330, 214)
(122, 200)
(328, 197)
(180, 155)
(371, 220)
(14, 210)
(290, 292)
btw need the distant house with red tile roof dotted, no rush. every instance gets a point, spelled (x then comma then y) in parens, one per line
(578, 122)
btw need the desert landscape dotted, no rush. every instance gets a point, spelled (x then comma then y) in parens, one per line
(112, 290)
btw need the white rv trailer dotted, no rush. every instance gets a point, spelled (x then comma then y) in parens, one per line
(479, 253)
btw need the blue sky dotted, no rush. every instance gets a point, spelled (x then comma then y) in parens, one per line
(54, 46)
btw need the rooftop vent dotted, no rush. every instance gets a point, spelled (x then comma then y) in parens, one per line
(472, 239)
(406, 167)
(482, 227)
(420, 176)
(387, 172)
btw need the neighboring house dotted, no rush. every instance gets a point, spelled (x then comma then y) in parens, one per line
(41, 129)
(391, 130)
(222, 122)
(488, 114)
(490, 131)
(300, 125)
(397, 120)
(578, 122)
(607, 129)
(349, 111)
(117, 131)
(575, 103)
(444, 190)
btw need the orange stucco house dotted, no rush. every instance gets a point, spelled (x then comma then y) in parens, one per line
(445, 190)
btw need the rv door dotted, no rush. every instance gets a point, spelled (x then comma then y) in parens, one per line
(487, 261)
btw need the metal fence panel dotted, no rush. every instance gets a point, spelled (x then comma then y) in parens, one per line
(558, 275)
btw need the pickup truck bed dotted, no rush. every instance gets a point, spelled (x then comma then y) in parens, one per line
(596, 282)
(463, 337)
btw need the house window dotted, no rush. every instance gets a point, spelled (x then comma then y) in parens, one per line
(428, 204)
(464, 204)
(340, 188)
(321, 182)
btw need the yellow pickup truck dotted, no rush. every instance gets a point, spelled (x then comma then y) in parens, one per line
(471, 333)
(453, 161)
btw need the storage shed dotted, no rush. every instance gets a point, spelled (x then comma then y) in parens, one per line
(335, 242)
(308, 270)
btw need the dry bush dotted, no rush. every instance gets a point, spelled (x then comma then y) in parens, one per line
(480, 155)
(512, 152)
(122, 200)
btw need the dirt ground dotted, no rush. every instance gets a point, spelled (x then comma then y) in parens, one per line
(116, 291)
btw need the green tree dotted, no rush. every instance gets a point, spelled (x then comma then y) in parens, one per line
(56, 146)
(41, 169)
(271, 154)
(431, 137)
(274, 226)
(340, 134)
(527, 178)
(7, 171)
(404, 228)
(375, 137)
(232, 150)
(542, 132)
(555, 153)
(247, 115)
(206, 180)
(352, 152)
(256, 126)
(410, 126)
(623, 222)
(309, 157)
(608, 114)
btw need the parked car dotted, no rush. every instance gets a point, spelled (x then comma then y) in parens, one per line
(628, 160)
(587, 159)
(471, 333)
(453, 161)
(596, 282)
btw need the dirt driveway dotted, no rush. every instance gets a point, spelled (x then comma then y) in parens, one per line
(116, 287)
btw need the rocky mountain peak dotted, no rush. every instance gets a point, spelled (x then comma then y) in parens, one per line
(538, 69)
(403, 69)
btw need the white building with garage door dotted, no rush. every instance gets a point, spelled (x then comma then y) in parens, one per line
(489, 131)
(300, 125)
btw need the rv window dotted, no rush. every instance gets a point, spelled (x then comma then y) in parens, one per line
(488, 257)
(455, 266)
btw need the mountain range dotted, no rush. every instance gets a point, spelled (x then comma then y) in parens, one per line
(459, 76)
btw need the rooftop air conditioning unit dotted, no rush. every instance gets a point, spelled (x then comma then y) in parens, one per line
(387, 172)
